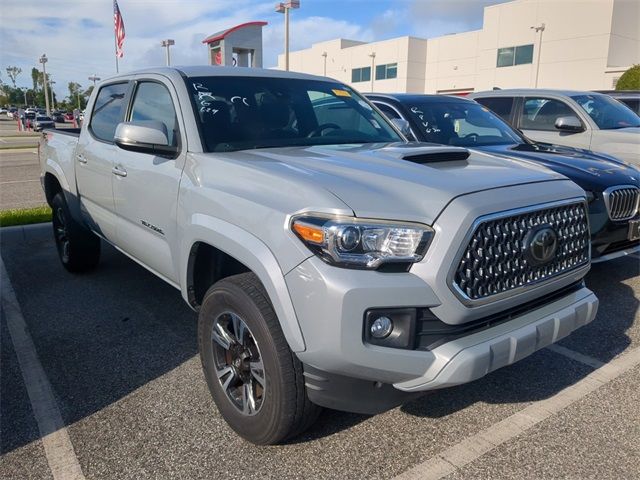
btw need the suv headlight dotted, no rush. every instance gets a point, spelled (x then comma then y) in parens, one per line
(366, 244)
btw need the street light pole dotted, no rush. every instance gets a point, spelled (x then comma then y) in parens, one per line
(284, 8)
(94, 78)
(24, 91)
(43, 60)
(538, 29)
(373, 67)
(166, 44)
(324, 54)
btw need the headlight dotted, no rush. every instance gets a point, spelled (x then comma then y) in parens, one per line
(353, 243)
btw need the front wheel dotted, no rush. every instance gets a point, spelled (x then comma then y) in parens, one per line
(78, 248)
(255, 379)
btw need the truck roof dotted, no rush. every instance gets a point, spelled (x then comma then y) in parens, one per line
(219, 71)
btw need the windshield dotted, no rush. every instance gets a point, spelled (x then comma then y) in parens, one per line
(606, 112)
(43, 119)
(465, 124)
(239, 113)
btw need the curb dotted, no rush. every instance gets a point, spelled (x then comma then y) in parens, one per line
(35, 233)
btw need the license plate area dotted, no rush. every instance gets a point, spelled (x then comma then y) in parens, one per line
(634, 230)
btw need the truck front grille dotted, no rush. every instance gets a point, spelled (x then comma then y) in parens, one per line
(622, 202)
(498, 258)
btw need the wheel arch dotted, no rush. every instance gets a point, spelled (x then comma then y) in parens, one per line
(208, 240)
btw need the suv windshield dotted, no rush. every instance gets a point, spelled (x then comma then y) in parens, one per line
(465, 124)
(606, 112)
(240, 113)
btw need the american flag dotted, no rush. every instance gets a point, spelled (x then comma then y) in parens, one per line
(119, 29)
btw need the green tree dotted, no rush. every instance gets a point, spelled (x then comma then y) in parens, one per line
(630, 80)
(75, 94)
(13, 73)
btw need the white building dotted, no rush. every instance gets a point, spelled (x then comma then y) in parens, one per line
(586, 45)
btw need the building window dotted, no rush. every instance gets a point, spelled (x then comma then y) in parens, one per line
(390, 70)
(361, 74)
(510, 56)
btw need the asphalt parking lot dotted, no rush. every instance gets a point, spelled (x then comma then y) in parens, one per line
(118, 349)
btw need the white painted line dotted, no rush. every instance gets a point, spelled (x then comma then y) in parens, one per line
(577, 356)
(471, 448)
(58, 448)
(18, 181)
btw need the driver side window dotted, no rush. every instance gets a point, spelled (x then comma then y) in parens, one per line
(153, 102)
(542, 113)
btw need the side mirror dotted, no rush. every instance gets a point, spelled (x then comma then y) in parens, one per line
(569, 124)
(144, 137)
(402, 125)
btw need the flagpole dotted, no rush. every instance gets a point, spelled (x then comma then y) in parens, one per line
(115, 43)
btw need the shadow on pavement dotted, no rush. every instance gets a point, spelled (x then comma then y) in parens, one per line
(103, 335)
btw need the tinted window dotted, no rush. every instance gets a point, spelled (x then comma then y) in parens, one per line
(632, 104)
(505, 57)
(153, 102)
(542, 113)
(524, 54)
(501, 106)
(239, 113)
(387, 110)
(107, 111)
(361, 74)
(389, 70)
(519, 55)
(606, 112)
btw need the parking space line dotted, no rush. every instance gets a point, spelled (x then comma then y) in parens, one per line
(475, 446)
(58, 448)
(577, 356)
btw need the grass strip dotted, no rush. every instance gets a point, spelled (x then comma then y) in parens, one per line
(25, 216)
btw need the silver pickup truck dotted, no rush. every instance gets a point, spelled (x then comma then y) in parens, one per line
(331, 262)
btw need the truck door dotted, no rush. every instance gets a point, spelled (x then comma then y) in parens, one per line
(94, 159)
(538, 122)
(145, 187)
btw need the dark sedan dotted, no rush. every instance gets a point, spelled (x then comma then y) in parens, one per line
(613, 187)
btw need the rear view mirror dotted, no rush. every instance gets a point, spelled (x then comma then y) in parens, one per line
(145, 137)
(569, 124)
(402, 125)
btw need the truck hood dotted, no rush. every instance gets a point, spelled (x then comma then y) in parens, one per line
(378, 181)
(592, 171)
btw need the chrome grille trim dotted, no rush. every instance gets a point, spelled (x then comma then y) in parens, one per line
(622, 201)
(573, 257)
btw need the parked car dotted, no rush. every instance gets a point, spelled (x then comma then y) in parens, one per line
(58, 117)
(11, 113)
(331, 262)
(588, 120)
(631, 98)
(41, 122)
(609, 183)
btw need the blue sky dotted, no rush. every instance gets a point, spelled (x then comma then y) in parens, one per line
(77, 35)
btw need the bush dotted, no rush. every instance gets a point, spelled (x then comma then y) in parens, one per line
(630, 80)
(25, 216)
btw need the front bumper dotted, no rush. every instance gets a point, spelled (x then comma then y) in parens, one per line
(472, 357)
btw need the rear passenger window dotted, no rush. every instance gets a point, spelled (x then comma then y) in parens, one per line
(501, 106)
(153, 102)
(108, 111)
(542, 113)
(389, 112)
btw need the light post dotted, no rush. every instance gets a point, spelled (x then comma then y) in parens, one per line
(24, 91)
(324, 54)
(539, 29)
(373, 67)
(78, 93)
(94, 78)
(284, 8)
(43, 60)
(166, 44)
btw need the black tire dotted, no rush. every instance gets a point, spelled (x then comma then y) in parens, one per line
(78, 248)
(284, 408)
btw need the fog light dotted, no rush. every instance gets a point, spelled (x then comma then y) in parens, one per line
(381, 327)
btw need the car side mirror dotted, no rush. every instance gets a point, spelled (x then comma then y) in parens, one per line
(144, 137)
(569, 124)
(402, 125)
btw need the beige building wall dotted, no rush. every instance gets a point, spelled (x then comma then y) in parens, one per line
(586, 45)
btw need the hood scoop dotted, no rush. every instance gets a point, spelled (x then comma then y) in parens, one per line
(449, 155)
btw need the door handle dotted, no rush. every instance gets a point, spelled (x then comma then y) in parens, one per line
(119, 171)
(81, 158)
